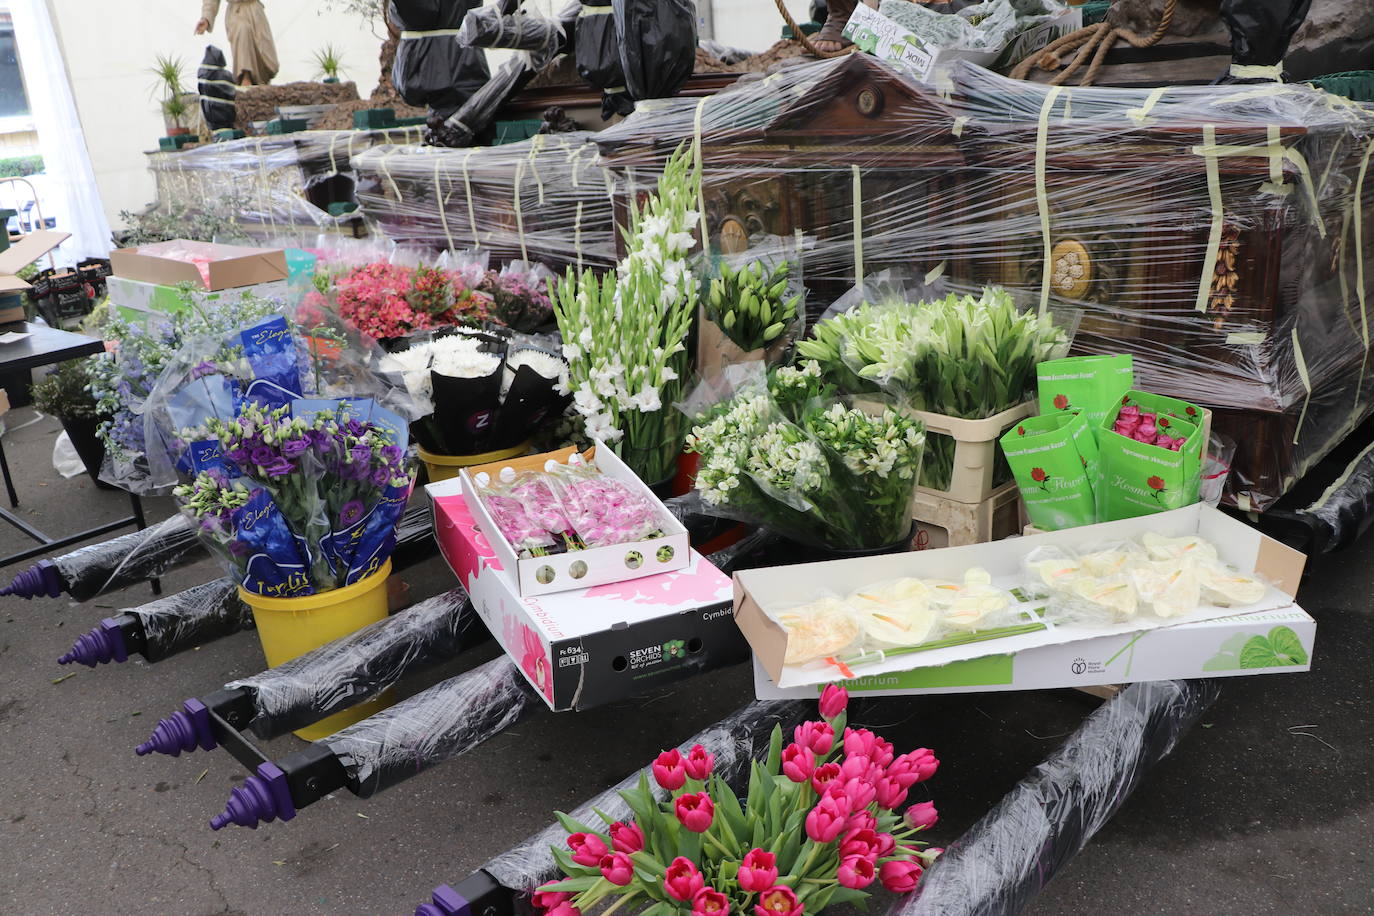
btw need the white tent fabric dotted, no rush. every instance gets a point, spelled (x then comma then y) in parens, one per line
(68, 191)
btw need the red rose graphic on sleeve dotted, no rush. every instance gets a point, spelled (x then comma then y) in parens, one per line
(1020, 430)
(1040, 477)
(1156, 484)
(1191, 411)
(1061, 402)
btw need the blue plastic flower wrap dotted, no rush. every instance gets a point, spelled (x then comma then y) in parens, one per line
(296, 493)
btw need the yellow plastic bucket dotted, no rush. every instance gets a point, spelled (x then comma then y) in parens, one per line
(442, 467)
(290, 627)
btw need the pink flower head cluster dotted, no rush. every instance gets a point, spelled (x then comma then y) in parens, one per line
(521, 531)
(604, 510)
(386, 300)
(1133, 423)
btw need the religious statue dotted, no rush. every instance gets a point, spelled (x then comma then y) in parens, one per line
(250, 39)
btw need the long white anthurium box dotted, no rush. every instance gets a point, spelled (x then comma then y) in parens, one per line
(1280, 641)
(592, 645)
(577, 569)
(761, 594)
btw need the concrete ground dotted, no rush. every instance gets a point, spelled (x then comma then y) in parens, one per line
(1250, 815)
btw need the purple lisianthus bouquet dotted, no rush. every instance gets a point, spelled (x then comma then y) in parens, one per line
(300, 498)
(520, 295)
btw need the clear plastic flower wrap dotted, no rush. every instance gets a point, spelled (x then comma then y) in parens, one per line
(507, 507)
(296, 494)
(601, 509)
(781, 451)
(896, 617)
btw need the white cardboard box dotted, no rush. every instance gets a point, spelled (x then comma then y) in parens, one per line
(582, 568)
(1266, 642)
(592, 645)
(788, 586)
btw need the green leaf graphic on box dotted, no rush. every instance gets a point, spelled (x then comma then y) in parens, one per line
(1228, 659)
(1281, 649)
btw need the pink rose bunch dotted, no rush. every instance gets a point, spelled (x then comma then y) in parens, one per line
(386, 300)
(697, 850)
(1133, 423)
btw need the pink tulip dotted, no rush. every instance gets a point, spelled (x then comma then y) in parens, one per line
(670, 770)
(855, 872)
(699, 762)
(899, 875)
(778, 901)
(695, 811)
(617, 868)
(886, 845)
(834, 700)
(824, 776)
(710, 902)
(863, 820)
(1130, 411)
(861, 842)
(818, 736)
(827, 820)
(626, 838)
(757, 871)
(855, 767)
(921, 816)
(861, 794)
(564, 909)
(547, 900)
(859, 741)
(587, 849)
(882, 752)
(889, 793)
(913, 767)
(798, 763)
(682, 880)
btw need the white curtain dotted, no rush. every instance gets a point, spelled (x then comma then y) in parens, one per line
(69, 191)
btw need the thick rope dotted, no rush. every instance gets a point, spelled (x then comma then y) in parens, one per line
(1093, 41)
(800, 37)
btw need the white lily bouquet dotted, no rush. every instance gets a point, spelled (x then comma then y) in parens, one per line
(792, 457)
(623, 333)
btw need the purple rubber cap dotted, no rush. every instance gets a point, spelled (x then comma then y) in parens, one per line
(446, 902)
(184, 730)
(42, 578)
(260, 800)
(104, 643)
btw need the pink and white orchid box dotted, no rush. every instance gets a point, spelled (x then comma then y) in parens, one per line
(592, 645)
(581, 568)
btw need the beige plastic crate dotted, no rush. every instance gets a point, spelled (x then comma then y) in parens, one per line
(944, 522)
(975, 450)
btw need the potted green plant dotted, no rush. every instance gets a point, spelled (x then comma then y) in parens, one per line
(65, 393)
(329, 63)
(169, 87)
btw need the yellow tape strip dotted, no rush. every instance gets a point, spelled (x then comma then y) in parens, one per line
(1299, 160)
(386, 173)
(1258, 71)
(1212, 150)
(333, 166)
(1141, 115)
(577, 235)
(701, 180)
(262, 188)
(1242, 502)
(519, 216)
(1275, 183)
(936, 272)
(1209, 260)
(1245, 338)
(1042, 200)
(1359, 241)
(858, 206)
(1301, 365)
(575, 160)
(536, 143)
(958, 128)
(467, 188)
(411, 35)
(443, 214)
(1340, 481)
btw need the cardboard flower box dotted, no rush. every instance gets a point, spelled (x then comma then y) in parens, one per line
(228, 265)
(1281, 641)
(579, 569)
(593, 645)
(1237, 544)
